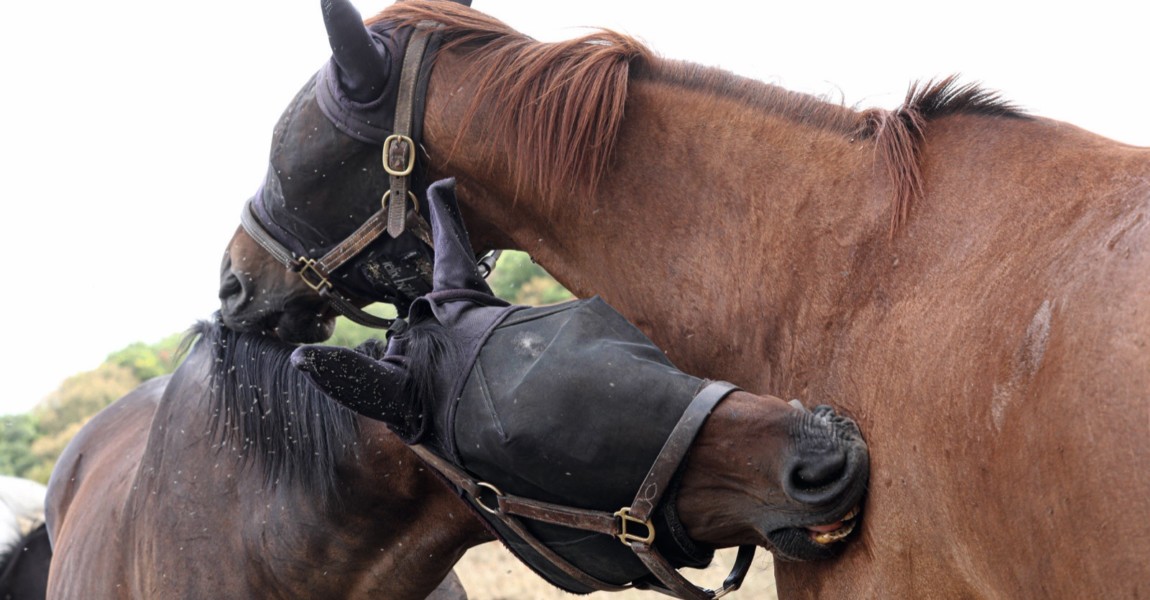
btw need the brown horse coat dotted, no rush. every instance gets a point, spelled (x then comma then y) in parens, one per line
(971, 284)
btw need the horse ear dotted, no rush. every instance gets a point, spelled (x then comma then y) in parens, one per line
(454, 259)
(376, 389)
(363, 65)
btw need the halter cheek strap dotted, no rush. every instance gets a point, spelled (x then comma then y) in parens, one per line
(630, 524)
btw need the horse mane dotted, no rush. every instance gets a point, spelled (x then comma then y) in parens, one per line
(899, 134)
(561, 104)
(270, 415)
(429, 349)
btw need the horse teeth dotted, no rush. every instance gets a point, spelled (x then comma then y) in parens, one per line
(831, 537)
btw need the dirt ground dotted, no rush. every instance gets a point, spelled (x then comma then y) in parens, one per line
(490, 572)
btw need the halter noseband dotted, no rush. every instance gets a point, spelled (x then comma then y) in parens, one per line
(630, 524)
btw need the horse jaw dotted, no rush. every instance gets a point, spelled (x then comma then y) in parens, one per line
(283, 307)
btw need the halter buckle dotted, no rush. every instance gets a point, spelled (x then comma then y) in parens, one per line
(398, 155)
(624, 516)
(311, 275)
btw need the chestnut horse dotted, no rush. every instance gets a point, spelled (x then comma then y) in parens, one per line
(968, 281)
(236, 478)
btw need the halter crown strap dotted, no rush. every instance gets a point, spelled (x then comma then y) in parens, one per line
(399, 149)
(509, 508)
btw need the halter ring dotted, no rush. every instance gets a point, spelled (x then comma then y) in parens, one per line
(410, 195)
(478, 500)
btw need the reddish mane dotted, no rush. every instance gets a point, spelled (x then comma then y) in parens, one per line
(562, 103)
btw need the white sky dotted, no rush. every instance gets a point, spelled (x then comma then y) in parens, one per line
(133, 131)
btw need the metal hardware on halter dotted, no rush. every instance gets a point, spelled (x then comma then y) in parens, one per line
(486, 264)
(410, 194)
(624, 516)
(398, 155)
(492, 489)
(306, 265)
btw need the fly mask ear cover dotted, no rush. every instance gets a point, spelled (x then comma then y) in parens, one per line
(566, 404)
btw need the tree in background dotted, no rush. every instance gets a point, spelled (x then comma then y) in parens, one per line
(31, 443)
(519, 280)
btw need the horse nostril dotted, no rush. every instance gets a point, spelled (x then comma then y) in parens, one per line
(230, 286)
(812, 475)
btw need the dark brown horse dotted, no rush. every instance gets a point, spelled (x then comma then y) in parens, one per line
(235, 478)
(969, 282)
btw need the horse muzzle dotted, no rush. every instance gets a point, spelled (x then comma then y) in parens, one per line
(824, 480)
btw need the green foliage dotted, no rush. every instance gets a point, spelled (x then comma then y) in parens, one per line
(519, 280)
(31, 443)
(349, 334)
(148, 361)
(17, 433)
(81, 396)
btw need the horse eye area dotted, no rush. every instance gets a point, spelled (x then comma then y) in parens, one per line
(835, 532)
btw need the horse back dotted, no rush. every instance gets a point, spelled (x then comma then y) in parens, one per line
(89, 492)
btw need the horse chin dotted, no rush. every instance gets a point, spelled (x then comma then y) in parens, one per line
(298, 323)
(305, 327)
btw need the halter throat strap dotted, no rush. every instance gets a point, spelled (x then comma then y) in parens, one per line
(630, 524)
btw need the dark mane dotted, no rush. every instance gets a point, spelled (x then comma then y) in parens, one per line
(562, 103)
(269, 414)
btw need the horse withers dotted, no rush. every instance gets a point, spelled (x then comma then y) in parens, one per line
(965, 280)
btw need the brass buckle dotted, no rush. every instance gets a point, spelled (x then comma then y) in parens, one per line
(494, 490)
(410, 194)
(316, 281)
(409, 156)
(624, 516)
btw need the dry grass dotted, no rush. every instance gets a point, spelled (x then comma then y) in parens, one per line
(490, 572)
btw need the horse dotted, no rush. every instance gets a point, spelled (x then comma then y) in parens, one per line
(235, 477)
(25, 554)
(966, 280)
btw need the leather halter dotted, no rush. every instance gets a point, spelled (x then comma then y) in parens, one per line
(630, 524)
(399, 152)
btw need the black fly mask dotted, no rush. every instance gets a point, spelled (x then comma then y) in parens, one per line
(533, 412)
(344, 178)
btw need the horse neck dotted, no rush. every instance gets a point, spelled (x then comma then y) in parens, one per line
(392, 528)
(700, 180)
